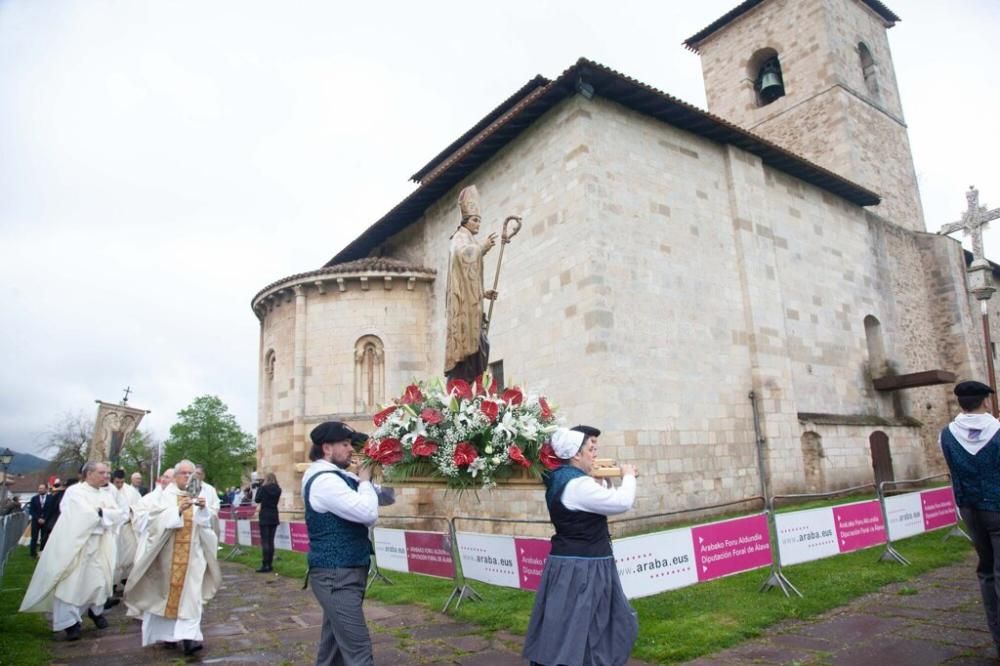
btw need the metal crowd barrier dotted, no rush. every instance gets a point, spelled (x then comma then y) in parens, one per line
(890, 554)
(776, 578)
(11, 528)
(679, 512)
(375, 573)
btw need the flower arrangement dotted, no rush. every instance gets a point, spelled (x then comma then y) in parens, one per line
(468, 436)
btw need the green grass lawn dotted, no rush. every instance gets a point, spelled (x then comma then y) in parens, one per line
(693, 621)
(24, 637)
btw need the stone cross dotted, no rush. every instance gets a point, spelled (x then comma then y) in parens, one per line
(972, 222)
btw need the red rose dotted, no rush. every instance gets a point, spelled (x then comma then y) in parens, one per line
(371, 448)
(513, 396)
(490, 409)
(431, 416)
(423, 446)
(465, 454)
(459, 387)
(389, 452)
(548, 457)
(482, 390)
(412, 395)
(518, 457)
(382, 416)
(546, 412)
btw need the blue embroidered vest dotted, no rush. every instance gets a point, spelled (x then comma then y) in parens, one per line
(578, 533)
(975, 478)
(333, 541)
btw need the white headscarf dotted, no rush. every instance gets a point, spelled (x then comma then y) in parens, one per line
(566, 443)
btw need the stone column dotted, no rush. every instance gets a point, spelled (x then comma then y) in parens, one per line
(299, 377)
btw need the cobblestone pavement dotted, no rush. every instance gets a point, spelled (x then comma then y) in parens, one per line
(934, 619)
(269, 619)
(255, 619)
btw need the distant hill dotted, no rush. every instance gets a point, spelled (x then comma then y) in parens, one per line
(25, 463)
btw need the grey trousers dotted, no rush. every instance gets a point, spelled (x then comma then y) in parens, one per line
(984, 527)
(344, 640)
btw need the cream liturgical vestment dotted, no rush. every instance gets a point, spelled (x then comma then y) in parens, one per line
(465, 298)
(76, 568)
(176, 570)
(128, 497)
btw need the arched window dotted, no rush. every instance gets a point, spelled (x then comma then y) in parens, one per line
(876, 350)
(369, 374)
(267, 386)
(868, 68)
(764, 69)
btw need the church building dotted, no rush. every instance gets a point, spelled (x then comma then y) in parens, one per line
(698, 284)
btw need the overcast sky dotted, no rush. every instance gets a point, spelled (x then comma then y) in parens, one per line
(160, 162)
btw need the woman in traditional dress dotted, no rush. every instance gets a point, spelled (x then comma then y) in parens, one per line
(581, 616)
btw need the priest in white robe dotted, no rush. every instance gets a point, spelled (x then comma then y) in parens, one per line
(75, 574)
(176, 571)
(125, 541)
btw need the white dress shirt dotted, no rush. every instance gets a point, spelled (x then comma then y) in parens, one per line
(331, 494)
(584, 493)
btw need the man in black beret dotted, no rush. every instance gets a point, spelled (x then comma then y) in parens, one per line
(340, 507)
(971, 447)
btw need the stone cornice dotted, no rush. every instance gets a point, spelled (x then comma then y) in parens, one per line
(367, 274)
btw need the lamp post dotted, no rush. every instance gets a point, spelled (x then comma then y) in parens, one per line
(5, 459)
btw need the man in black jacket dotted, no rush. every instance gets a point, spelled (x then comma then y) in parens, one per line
(38, 509)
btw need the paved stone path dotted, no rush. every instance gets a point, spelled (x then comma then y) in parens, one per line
(268, 619)
(934, 619)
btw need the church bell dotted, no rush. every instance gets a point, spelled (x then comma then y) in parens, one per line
(770, 84)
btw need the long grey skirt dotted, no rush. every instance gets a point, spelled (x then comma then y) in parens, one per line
(581, 616)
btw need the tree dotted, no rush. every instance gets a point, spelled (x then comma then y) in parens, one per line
(206, 433)
(138, 454)
(69, 441)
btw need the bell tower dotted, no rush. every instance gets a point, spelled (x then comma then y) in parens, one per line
(816, 77)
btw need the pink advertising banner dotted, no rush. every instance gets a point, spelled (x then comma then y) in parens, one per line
(531, 555)
(254, 533)
(429, 553)
(731, 546)
(939, 508)
(859, 525)
(300, 537)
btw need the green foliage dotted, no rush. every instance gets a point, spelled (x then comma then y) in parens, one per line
(24, 637)
(206, 433)
(138, 454)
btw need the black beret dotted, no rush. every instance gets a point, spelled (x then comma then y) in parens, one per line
(336, 431)
(971, 389)
(587, 430)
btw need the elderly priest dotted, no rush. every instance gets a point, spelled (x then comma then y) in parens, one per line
(176, 570)
(75, 573)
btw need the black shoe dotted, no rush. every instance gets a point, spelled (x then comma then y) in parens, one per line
(73, 633)
(264, 569)
(190, 647)
(100, 621)
(111, 603)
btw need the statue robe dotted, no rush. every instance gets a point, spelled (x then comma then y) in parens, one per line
(77, 566)
(464, 298)
(176, 570)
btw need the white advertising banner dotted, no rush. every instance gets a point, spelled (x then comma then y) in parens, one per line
(283, 537)
(243, 532)
(905, 514)
(804, 536)
(653, 563)
(488, 558)
(390, 549)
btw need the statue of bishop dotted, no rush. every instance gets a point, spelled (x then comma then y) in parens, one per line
(467, 350)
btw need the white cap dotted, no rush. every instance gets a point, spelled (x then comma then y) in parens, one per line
(566, 443)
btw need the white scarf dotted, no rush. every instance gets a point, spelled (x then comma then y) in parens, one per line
(974, 431)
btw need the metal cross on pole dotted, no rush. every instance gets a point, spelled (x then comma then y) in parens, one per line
(980, 272)
(973, 220)
(128, 389)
